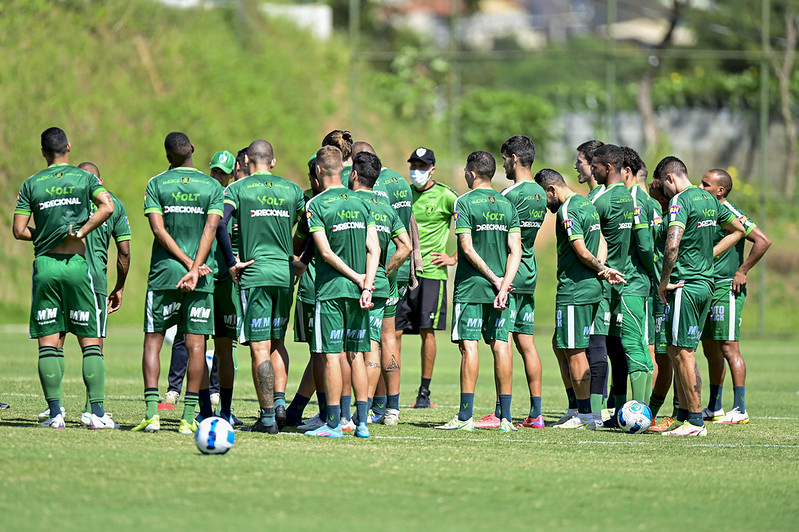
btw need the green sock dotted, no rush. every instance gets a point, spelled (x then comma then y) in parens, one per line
(655, 402)
(59, 352)
(739, 396)
(648, 389)
(50, 376)
(280, 399)
(94, 378)
(638, 384)
(190, 401)
(151, 400)
(619, 400)
(596, 402)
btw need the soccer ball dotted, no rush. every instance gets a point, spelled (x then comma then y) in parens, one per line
(214, 436)
(634, 417)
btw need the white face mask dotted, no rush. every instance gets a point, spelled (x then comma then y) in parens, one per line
(420, 178)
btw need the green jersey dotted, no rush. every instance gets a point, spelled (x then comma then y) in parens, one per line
(726, 264)
(615, 207)
(345, 175)
(344, 218)
(266, 207)
(698, 213)
(398, 192)
(185, 197)
(97, 243)
(530, 202)
(306, 292)
(58, 197)
(658, 231)
(388, 227)
(433, 209)
(577, 283)
(594, 191)
(641, 263)
(489, 217)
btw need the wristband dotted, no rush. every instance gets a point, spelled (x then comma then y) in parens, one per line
(367, 290)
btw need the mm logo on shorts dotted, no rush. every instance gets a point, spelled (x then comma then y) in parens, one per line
(356, 334)
(338, 334)
(171, 309)
(46, 315)
(693, 331)
(79, 316)
(199, 314)
(474, 323)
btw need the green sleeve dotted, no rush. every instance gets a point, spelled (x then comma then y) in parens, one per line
(23, 200)
(463, 223)
(152, 203)
(121, 227)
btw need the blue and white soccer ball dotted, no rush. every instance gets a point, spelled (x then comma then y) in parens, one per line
(214, 436)
(634, 417)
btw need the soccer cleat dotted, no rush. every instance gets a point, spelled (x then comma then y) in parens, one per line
(3, 405)
(734, 417)
(187, 428)
(391, 418)
(86, 418)
(105, 422)
(507, 426)
(280, 416)
(686, 429)
(376, 417)
(361, 431)
(312, 424)
(54, 423)
(457, 424)
(423, 399)
(490, 421)
(570, 414)
(44, 416)
(611, 423)
(347, 426)
(232, 419)
(258, 426)
(712, 415)
(326, 432)
(214, 400)
(149, 425)
(665, 424)
(172, 397)
(577, 422)
(532, 423)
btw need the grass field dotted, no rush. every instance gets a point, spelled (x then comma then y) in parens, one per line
(409, 477)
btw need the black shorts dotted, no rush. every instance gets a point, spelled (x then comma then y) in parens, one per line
(425, 307)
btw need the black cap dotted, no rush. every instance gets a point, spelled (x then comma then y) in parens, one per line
(424, 155)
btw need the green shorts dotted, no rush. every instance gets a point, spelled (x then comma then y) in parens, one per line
(650, 319)
(687, 310)
(62, 297)
(523, 316)
(303, 321)
(573, 325)
(226, 310)
(470, 321)
(340, 325)
(376, 315)
(392, 301)
(633, 333)
(101, 302)
(724, 320)
(616, 315)
(192, 312)
(659, 311)
(600, 324)
(265, 313)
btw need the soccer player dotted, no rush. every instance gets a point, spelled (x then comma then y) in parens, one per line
(59, 198)
(490, 250)
(530, 202)
(341, 223)
(343, 141)
(366, 167)
(596, 351)
(423, 310)
(579, 290)
(723, 326)
(639, 274)
(686, 282)
(266, 207)
(183, 206)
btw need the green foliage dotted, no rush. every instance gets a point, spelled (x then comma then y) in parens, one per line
(489, 117)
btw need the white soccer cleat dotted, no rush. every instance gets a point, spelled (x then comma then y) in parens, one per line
(172, 397)
(570, 414)
(391, 417)
(54, 423)
(577, 422)
(734, 417)
(214, 400)
(347, 426)
(104, 422)
(44, 416)
(712, 415)
(312, 424)
(686, 429)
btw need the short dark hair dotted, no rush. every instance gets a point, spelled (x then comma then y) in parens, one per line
(588, 148)
(610, 154)
(178, 145)
(632, 160)
(340, 139)
(367, 166)
(548, 177)
(670, 165)
(240, 160)
(522, 147)
(724, 179)
(329, 159)
(91, 168)
(54, 141)
(482, 163)
(261, 152)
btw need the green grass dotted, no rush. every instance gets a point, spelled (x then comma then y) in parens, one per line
(405, 477)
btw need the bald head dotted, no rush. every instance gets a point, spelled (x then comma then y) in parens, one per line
(260, 152)
(723, 179)
(91, 168)
(362, 146)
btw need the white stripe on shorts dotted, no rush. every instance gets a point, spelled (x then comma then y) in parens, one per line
(148, 311)
(455, 336)
(675, 322)
(301, 316)
(731, 318)
(243, 298)
(317, 327)
(570, 325)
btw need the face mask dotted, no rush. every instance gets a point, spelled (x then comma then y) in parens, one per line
(420, 178)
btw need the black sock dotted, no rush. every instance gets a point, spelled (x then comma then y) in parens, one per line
(204, 398)
(426, 384)
(225, 400)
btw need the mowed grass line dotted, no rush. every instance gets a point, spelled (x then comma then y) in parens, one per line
(406, 477)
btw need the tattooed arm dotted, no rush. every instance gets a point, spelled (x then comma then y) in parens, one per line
(586, 257)
(673, 238)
